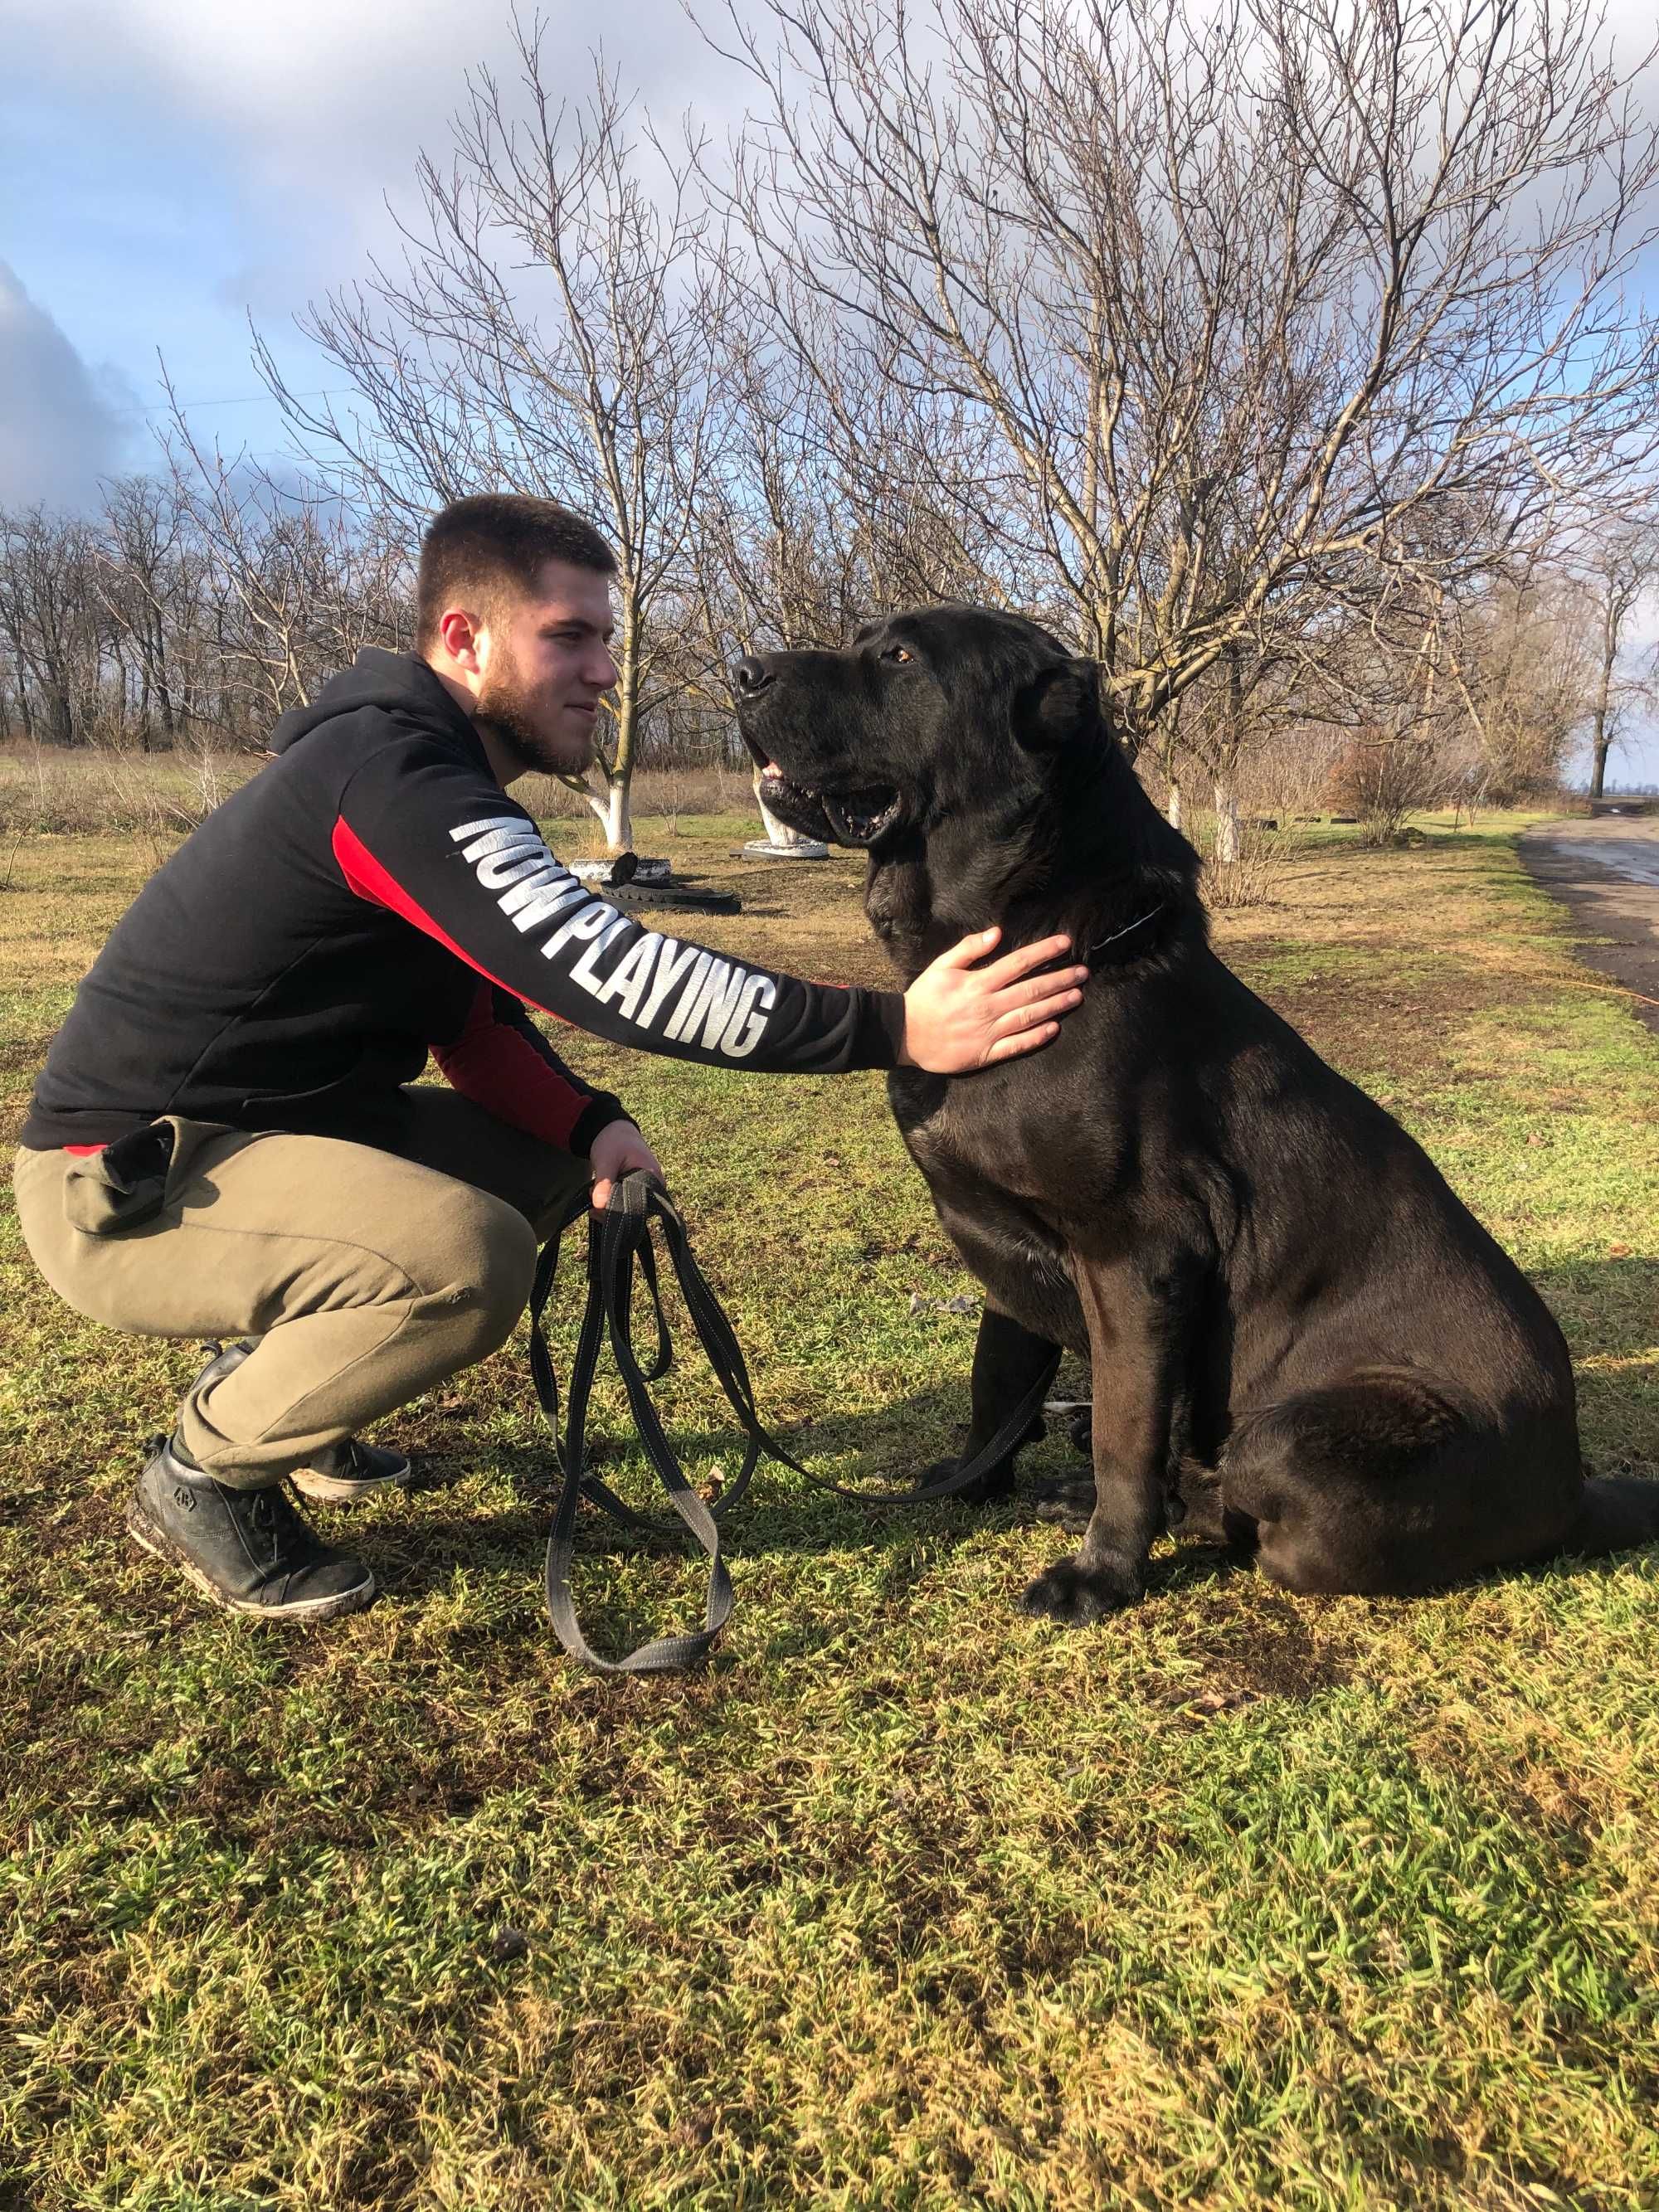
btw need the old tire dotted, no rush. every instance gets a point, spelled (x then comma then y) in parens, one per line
(672, 898)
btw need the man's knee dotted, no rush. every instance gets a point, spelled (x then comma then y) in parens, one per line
(493, 1265)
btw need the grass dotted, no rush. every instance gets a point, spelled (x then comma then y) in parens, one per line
(1241, 1900)
(91, 789)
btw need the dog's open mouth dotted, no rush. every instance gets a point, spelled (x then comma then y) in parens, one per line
(850, 817)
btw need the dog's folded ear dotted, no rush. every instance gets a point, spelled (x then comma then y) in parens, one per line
(1061, 704)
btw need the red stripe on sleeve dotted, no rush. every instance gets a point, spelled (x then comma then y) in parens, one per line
(369, 880)
(498, 1068)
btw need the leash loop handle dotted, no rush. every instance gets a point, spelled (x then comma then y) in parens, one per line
(619, 1240)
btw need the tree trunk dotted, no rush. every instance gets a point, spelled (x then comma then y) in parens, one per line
(1226, 825)
(625, 714)
(1174, 808)
(1226, 807)
(163, 689)
(1601, 739)
(619, 816)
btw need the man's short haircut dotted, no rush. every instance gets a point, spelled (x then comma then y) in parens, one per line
(485, 553)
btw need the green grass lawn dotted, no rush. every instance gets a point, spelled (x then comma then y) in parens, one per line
(1242, 1900)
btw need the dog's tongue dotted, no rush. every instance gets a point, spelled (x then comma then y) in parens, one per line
(772, 769)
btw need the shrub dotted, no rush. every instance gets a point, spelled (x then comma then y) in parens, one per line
(1381, 778)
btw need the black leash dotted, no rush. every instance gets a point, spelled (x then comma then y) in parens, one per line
(619, 1243)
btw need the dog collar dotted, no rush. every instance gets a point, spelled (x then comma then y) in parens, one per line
(1129, 928)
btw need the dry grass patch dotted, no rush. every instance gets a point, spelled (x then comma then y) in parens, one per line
(1245, 1900)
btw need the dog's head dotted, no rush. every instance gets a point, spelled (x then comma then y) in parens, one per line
(973, 738)
(924, 715)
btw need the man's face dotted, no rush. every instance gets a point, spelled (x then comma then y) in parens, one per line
(545, 662)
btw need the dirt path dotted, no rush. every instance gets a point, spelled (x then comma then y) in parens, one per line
(1605, 873)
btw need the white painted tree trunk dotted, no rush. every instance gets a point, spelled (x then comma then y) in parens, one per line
(1174, 805)
(779, 832)
(611, 805)
(1226, 826)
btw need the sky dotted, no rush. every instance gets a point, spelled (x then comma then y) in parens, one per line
(170, 169)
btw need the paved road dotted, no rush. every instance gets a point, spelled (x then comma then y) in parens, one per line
(1605, 873)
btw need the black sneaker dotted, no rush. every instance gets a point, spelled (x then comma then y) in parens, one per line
(246, 1550)
(339, 1476)
(221, 1360)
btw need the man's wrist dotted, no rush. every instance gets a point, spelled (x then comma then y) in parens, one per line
(600, 1111)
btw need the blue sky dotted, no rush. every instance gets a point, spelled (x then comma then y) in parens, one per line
(170, 167)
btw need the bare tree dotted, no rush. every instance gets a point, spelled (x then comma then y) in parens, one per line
(550, 331)
(262, 548)
(144, 578)
(50, 621)
(1521, 662)
(1623, 572)
(361, 576)
(1289, 306)
(804, 531)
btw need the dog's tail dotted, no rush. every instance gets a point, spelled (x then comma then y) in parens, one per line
(1618, 1513)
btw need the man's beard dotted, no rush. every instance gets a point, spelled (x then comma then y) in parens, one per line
(503, 702)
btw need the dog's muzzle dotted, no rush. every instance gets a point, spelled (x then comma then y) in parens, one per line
(852, 818)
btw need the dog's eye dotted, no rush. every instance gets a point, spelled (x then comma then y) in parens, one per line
(898, 652)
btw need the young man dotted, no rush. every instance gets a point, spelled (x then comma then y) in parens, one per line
(225, 1141)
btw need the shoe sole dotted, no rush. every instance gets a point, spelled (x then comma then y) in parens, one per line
(341, 1489)
(144, 1533)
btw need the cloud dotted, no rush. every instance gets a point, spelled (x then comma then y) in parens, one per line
(325, 106)
(60, 430)
(265, 139)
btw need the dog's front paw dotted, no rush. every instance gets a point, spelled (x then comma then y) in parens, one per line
(1077, 1595)
(996, 1482)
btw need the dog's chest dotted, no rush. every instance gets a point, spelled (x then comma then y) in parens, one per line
(1004, 1232)
(990, 1128)
(954, 1131)
(990, 1185)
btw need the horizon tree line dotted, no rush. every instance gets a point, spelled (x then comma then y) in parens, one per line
(1278, 357)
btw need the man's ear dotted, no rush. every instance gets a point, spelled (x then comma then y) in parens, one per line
(1061, 704)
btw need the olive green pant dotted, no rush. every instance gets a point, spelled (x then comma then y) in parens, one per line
(367, 1276)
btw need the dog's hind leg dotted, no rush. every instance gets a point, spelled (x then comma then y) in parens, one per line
(1008, 1358)
(1390, 1481)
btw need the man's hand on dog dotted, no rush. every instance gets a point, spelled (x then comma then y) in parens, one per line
(615, 1152)
(959, 1017)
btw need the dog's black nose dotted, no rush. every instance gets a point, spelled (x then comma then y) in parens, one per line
(752, 675)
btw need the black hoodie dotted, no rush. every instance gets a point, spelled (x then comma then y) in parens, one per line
(374, 894)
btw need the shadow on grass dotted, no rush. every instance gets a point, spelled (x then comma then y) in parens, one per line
(780, 1515)
(1609, 1306)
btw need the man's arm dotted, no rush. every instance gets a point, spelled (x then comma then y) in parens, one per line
(426, 835)
(423, 834)
(501, 1061)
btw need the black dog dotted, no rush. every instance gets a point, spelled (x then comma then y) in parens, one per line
(1300, 1340)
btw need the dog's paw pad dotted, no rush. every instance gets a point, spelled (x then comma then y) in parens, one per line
(1077, 1596)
